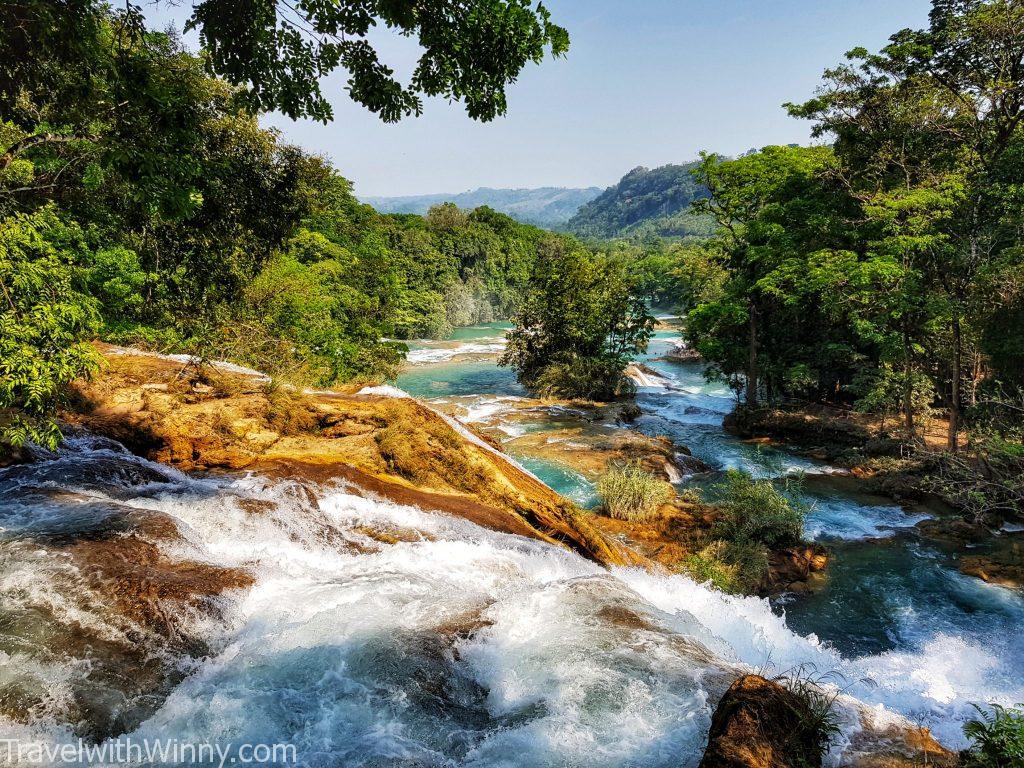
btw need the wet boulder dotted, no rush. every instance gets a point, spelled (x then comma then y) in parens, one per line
(760, 724)
(796, 569)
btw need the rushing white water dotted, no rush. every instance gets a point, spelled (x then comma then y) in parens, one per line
(456, 646)
(430, 352)
(930, 640)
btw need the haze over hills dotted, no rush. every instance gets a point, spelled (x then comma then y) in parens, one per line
(645, 202)
(550, 207)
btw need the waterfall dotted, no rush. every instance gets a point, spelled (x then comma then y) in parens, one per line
(374, 634)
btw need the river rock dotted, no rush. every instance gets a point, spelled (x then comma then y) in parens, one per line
(796, 569)
(395, 447)
(954, 530)
(893, 746)
(682, 353)
(1003, 565)
(760, 724)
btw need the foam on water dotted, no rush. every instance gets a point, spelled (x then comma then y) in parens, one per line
(366, 655)
(831, 518)
(441, 354)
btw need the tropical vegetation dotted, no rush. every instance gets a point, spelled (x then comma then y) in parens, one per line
(753, 519)
(584, 317)
(141, 201)
(997, 737)
(882, 271)
(629, 492)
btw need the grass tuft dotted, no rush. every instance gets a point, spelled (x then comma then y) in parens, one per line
(756, 511)
(628, 492)
(819, 724)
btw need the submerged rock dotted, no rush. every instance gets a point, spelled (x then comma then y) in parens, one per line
(760, 724)
(583, 437)
(108, 609)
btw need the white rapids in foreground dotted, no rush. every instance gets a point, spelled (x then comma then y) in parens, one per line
(353, 652)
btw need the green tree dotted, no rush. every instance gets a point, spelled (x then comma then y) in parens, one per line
(934, 121)
(45, 324)
(581, 323)
(783, 244)
(278, 51)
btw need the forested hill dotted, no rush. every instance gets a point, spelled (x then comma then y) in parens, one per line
(549, 207)
(645, 202)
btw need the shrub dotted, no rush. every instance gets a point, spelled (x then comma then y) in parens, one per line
(751, 562)
(304, 324)
(998, 738)
(628, 492)
(44, 326)
(756, 511)
(115, 277)
(754, 517)
(710, 565)
(733, 567)
(582, 379)
(691, 496)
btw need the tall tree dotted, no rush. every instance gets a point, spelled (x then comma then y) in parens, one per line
(933, 115)
(583, 320)
(775, 210)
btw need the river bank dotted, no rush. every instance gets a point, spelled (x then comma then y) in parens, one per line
(975, 508)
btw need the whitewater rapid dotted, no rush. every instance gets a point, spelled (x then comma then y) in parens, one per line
(453, 646)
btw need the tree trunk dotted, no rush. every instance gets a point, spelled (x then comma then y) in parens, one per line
(952, 441)
(977, 375)
(908, 387)
(752, 375)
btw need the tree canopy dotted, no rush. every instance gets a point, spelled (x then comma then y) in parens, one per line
(278, 51)
(141, 201)
(581, 323)
(883, 270)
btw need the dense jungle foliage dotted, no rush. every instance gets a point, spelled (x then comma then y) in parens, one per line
(141, 202)
(886, 269)
(646, 204)
(583, 319)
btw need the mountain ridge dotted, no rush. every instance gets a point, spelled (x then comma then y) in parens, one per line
(646, 202)
(541, 206)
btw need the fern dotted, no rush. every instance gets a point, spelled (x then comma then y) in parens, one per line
(997, 736)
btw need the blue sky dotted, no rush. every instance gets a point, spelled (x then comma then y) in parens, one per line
(646, 82)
